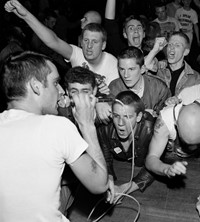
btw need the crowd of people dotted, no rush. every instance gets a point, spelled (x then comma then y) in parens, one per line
(120, 90)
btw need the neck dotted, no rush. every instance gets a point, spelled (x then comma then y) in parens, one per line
(96, 62)
(138, 85)
(21, 105)
(126, 142)
(176, 66)
(187, 8)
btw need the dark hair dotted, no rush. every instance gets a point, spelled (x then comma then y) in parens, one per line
(95, 27)
(132, 99)
(160, 5)
(183, 35)
(19, 68)
(79, 75)
(132, 52)
(134, 17)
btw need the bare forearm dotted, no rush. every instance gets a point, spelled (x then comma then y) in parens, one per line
(110, 9)
(44, 33)
(94, 149)
(154, 164)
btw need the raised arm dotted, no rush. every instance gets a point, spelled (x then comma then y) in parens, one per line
(150, 60)
(91, 167)
(110, 9)
(156, 149)
(45, 34)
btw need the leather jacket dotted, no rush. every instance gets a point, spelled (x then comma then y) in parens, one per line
(112, 148)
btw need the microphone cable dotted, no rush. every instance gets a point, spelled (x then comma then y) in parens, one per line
(124, 193)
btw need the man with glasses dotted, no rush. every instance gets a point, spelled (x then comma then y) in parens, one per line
(178, 121)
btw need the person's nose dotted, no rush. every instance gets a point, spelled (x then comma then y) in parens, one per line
(61, 91)
(120, 121)
(90, 44)
(125, 73)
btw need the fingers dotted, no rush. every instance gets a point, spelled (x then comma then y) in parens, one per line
(177, 168)
(8, 6)
(172, 101)
(103, 89)
(104, 112)
(111, 192)
(160, 42)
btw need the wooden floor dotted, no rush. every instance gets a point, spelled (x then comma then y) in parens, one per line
(166, 200)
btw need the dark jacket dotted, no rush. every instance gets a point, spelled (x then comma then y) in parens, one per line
(155, 91)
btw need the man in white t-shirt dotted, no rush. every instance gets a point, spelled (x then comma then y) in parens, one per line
(188, 20)
(93, 43)
(36, 144)
(168, 25)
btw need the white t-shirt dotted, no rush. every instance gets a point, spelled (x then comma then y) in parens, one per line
(187, 19)
(190, 94)
(33, 152)
(167, 114)
(168, 27)
(107, 68)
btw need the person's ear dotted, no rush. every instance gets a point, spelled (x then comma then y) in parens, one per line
(103, 45)
(186, 52)
(139, 117)
(143, 69)
(124, 34)
(95, 91)
(35, 86)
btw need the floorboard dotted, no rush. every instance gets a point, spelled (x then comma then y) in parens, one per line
(166, 200)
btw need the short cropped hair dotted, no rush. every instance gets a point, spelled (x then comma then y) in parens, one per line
(134, 17)
(184, 36)
(95, 27)
(160, 5)
(132, 52)
(79, 75)
(18, 69)
(130, 98)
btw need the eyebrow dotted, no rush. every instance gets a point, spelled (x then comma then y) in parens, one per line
(134, 25)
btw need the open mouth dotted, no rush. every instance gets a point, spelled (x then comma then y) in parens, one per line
(136, 40)
(171, 55)
(121, 131)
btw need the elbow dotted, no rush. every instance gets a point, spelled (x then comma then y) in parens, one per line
(148, 163)
(99, 187)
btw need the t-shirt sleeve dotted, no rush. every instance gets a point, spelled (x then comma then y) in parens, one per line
(63, 139)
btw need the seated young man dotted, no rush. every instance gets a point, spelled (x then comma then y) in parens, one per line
(116, 139)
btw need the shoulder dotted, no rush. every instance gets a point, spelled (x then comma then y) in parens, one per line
(173, 19)
(58, 123)
(179, 10)
(110, 57)
(76, 49)
(115, 82)
(160, 126)
(153, 79)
